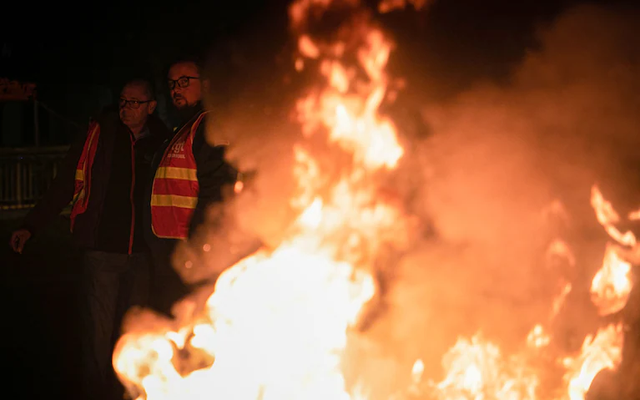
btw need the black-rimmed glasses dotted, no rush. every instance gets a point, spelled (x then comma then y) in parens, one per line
(182, 82)
(135, 104)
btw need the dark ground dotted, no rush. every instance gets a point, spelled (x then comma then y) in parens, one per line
(39, 339)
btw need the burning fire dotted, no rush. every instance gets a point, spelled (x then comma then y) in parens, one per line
(607, 216)
(602, 352)
(276, 325)
(537, 338)
(611, 286)
(559, 251)
(277, 322)
(476, 369)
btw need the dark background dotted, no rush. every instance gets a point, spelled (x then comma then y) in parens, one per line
(79, 54)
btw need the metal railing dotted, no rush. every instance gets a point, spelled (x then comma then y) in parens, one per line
(26, 173)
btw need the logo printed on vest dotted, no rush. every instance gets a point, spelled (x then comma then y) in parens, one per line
(177, 150)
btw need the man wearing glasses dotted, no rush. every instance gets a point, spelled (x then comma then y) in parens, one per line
(189, 175)
(104, 175)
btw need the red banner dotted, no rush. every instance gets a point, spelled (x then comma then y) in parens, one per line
(12, 90)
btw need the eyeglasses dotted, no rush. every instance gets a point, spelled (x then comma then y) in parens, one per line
(182, 82)
(135, 104)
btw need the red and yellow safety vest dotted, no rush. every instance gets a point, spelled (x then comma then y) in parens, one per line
(82, 186)
(174, 194)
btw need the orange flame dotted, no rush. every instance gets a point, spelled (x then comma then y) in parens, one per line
(604, 351)
(477, 370)
(559, 250)
(612, 285)
(634, 215)
(607, 217)
(558, 302)
(386, 6)
(538, 338)
(276, 325)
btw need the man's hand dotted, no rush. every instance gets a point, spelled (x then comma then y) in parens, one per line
(18, 239)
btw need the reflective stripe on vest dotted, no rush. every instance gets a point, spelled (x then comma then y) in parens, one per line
(174, 194)
(82, 187)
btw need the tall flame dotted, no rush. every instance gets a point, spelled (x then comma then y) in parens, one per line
(476, 369)
(604, 351)
(612, 284)
(276, 325)
(608, 217)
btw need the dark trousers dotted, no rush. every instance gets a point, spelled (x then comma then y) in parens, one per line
(111, 284)
(166, 285)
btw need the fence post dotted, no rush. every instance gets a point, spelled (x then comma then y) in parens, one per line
(26, 174)
(18, 184)
(36, 122)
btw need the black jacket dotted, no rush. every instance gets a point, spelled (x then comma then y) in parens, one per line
(60, 193)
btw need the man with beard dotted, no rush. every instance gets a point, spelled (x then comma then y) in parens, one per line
(104, 174)
(189, 175)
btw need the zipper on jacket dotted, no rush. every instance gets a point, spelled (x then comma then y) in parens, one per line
(131, 193)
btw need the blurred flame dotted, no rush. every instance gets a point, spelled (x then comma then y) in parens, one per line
(307, 47)
(607, 217)
(477, 370)
(558, 302)
(634, 215)
(276, 325)
(559, 253)
(558, 248)
(417, 370)
(604, 351)
(538, 337)
(350, 112)
(386, 6)
(611, 285)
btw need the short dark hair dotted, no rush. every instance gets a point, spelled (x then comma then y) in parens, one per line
(191, 58)
(146, 83)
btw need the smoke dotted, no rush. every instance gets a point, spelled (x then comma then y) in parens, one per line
(496, 159)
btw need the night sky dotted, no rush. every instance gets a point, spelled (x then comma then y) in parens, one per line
(101, 41)
(66, 48)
